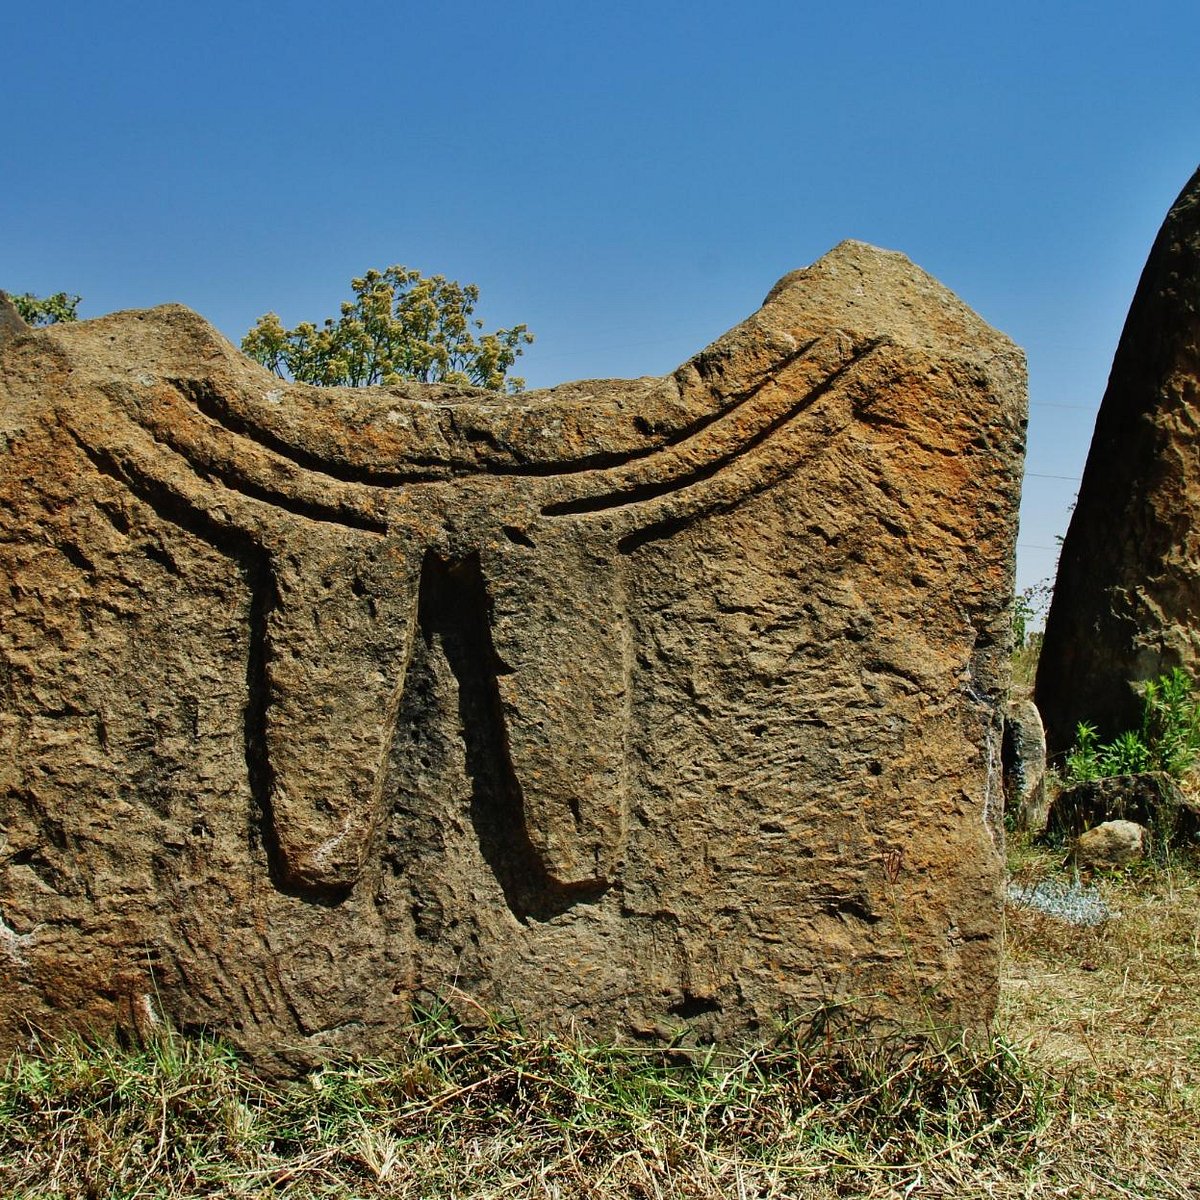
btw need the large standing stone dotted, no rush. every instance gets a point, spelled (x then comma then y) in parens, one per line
(1126, 605)
(669, 705)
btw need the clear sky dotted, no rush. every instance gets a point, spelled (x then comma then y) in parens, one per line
(628, 179)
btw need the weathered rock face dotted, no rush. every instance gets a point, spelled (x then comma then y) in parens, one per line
(1152, 799)
(670, 704)
(1109, 846)
(1024, 755)
(1126, 605)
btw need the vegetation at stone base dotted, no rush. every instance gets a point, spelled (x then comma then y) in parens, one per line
(400, 325)
(46, 310)
(501, 1112)
(1092, 1089)
(1109, 1009)
(1029, 609)
(1169, 739)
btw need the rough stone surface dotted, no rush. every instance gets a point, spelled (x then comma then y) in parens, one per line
(1126, 605)
(1025, 766)
(11, 321)
(1112, 844)
(668, 706)
(1153, 799)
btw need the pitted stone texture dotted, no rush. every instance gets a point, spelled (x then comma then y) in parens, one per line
(670, 706)
(1126, 605)
(1025, 766)
(1109, 846)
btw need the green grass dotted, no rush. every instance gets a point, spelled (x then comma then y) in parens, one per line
(504, 1113)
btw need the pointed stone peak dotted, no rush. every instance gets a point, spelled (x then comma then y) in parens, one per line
(862, 288)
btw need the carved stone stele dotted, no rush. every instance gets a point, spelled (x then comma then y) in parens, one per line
(652, 707)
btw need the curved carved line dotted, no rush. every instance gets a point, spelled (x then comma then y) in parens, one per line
(209, 477)
(708, 496)
(211, 404)
(215, 407)
(640, 493)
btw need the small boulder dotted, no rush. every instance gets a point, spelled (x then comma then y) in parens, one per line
(1024, 758)
(1113, 844)
(1152, 798)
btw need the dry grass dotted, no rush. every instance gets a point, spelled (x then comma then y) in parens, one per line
(507, 1115)
(1093, 1089)
(1113, 1012)
(1024, 665)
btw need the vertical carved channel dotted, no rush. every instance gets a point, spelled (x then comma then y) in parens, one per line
(257, 573)
(336, 638)
(454, 611)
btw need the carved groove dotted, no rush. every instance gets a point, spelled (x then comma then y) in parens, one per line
(429, 469)
(213, 405)
(142, 483)
(453, 611)
(642, 492)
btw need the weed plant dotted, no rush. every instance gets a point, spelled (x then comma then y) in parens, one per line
(1168, 740)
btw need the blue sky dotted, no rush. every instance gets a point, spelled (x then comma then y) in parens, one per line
(628, 179)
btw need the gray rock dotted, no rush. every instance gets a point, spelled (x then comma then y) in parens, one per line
(1025, 766)
(668, 706)
(1110, 845)
(1074, 902)
(1124, 608)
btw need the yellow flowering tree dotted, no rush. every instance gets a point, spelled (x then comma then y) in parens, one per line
(400, 325)
(46, 310)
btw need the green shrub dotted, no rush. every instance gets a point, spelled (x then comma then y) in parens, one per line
(1169, 739)
(1083, 761)
(1127, 754)
(1171, 723)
